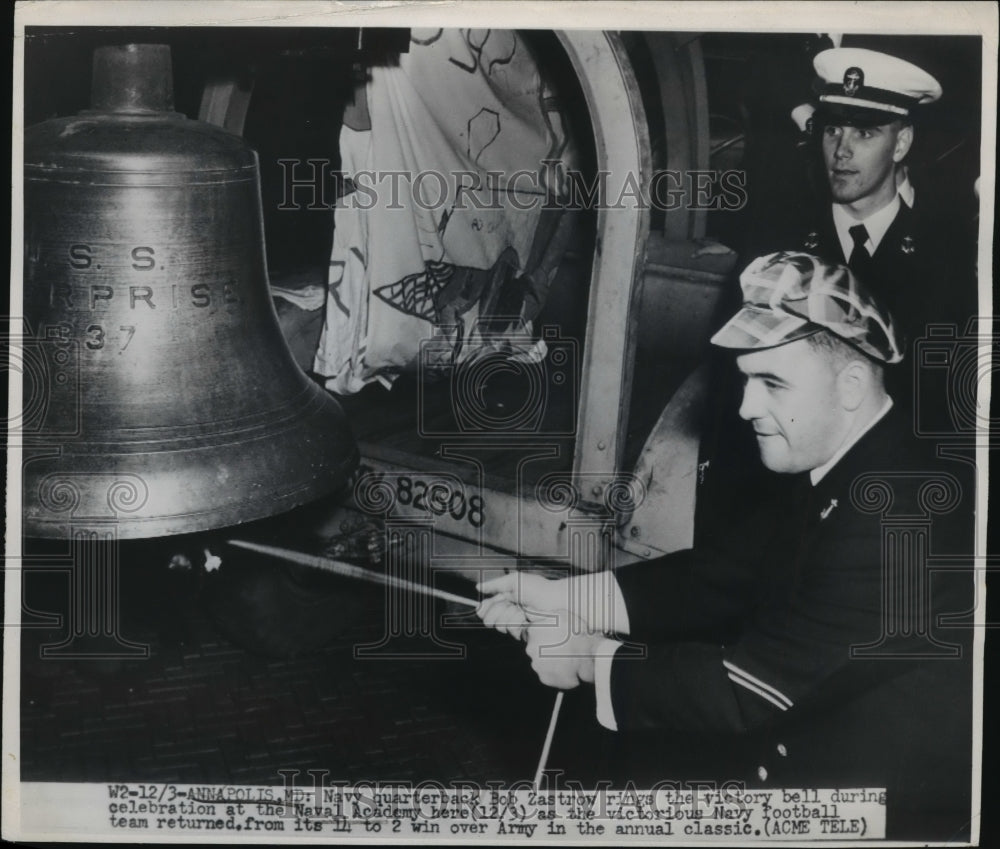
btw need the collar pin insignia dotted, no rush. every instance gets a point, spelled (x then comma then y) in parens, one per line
(812, 240)
(826, 511)
(907, 246)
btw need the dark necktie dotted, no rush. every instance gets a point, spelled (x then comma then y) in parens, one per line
(860, 258)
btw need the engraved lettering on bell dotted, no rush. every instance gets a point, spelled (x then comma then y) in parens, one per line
(134, 228)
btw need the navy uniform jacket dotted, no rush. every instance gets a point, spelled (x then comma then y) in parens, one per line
(923, 270)
(748, 648)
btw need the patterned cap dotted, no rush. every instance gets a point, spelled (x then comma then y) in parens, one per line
(865, 87)
(788, 296)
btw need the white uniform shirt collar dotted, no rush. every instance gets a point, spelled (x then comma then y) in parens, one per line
(876, 224)
(817, 474)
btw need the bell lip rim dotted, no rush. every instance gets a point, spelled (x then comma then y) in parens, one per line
(336, 480)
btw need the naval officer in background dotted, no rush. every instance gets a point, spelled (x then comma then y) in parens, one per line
(911, 254)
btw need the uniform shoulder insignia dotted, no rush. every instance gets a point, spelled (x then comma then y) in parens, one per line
(907, 245)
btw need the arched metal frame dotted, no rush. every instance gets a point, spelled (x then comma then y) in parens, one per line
(622, 142)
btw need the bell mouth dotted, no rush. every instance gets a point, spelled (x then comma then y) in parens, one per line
(301, 454)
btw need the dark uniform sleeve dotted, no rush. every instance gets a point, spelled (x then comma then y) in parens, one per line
(706, 589)
(687, 592)
(791, 647)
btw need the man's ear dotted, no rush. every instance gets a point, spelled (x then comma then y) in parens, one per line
(904, 141)
(853, 384)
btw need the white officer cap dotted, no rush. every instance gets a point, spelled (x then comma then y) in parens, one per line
(865, 87)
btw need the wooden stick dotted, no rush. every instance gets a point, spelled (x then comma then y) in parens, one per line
(543, 760)
(349, 570)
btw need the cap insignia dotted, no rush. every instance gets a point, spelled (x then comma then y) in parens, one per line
(854, 78)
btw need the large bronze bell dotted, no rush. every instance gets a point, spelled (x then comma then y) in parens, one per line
(172, 402)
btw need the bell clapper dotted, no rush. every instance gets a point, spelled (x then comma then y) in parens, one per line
(212, 561)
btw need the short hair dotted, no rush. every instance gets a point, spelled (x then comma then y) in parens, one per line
(839, 352)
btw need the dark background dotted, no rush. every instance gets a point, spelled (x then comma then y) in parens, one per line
(58, 87)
